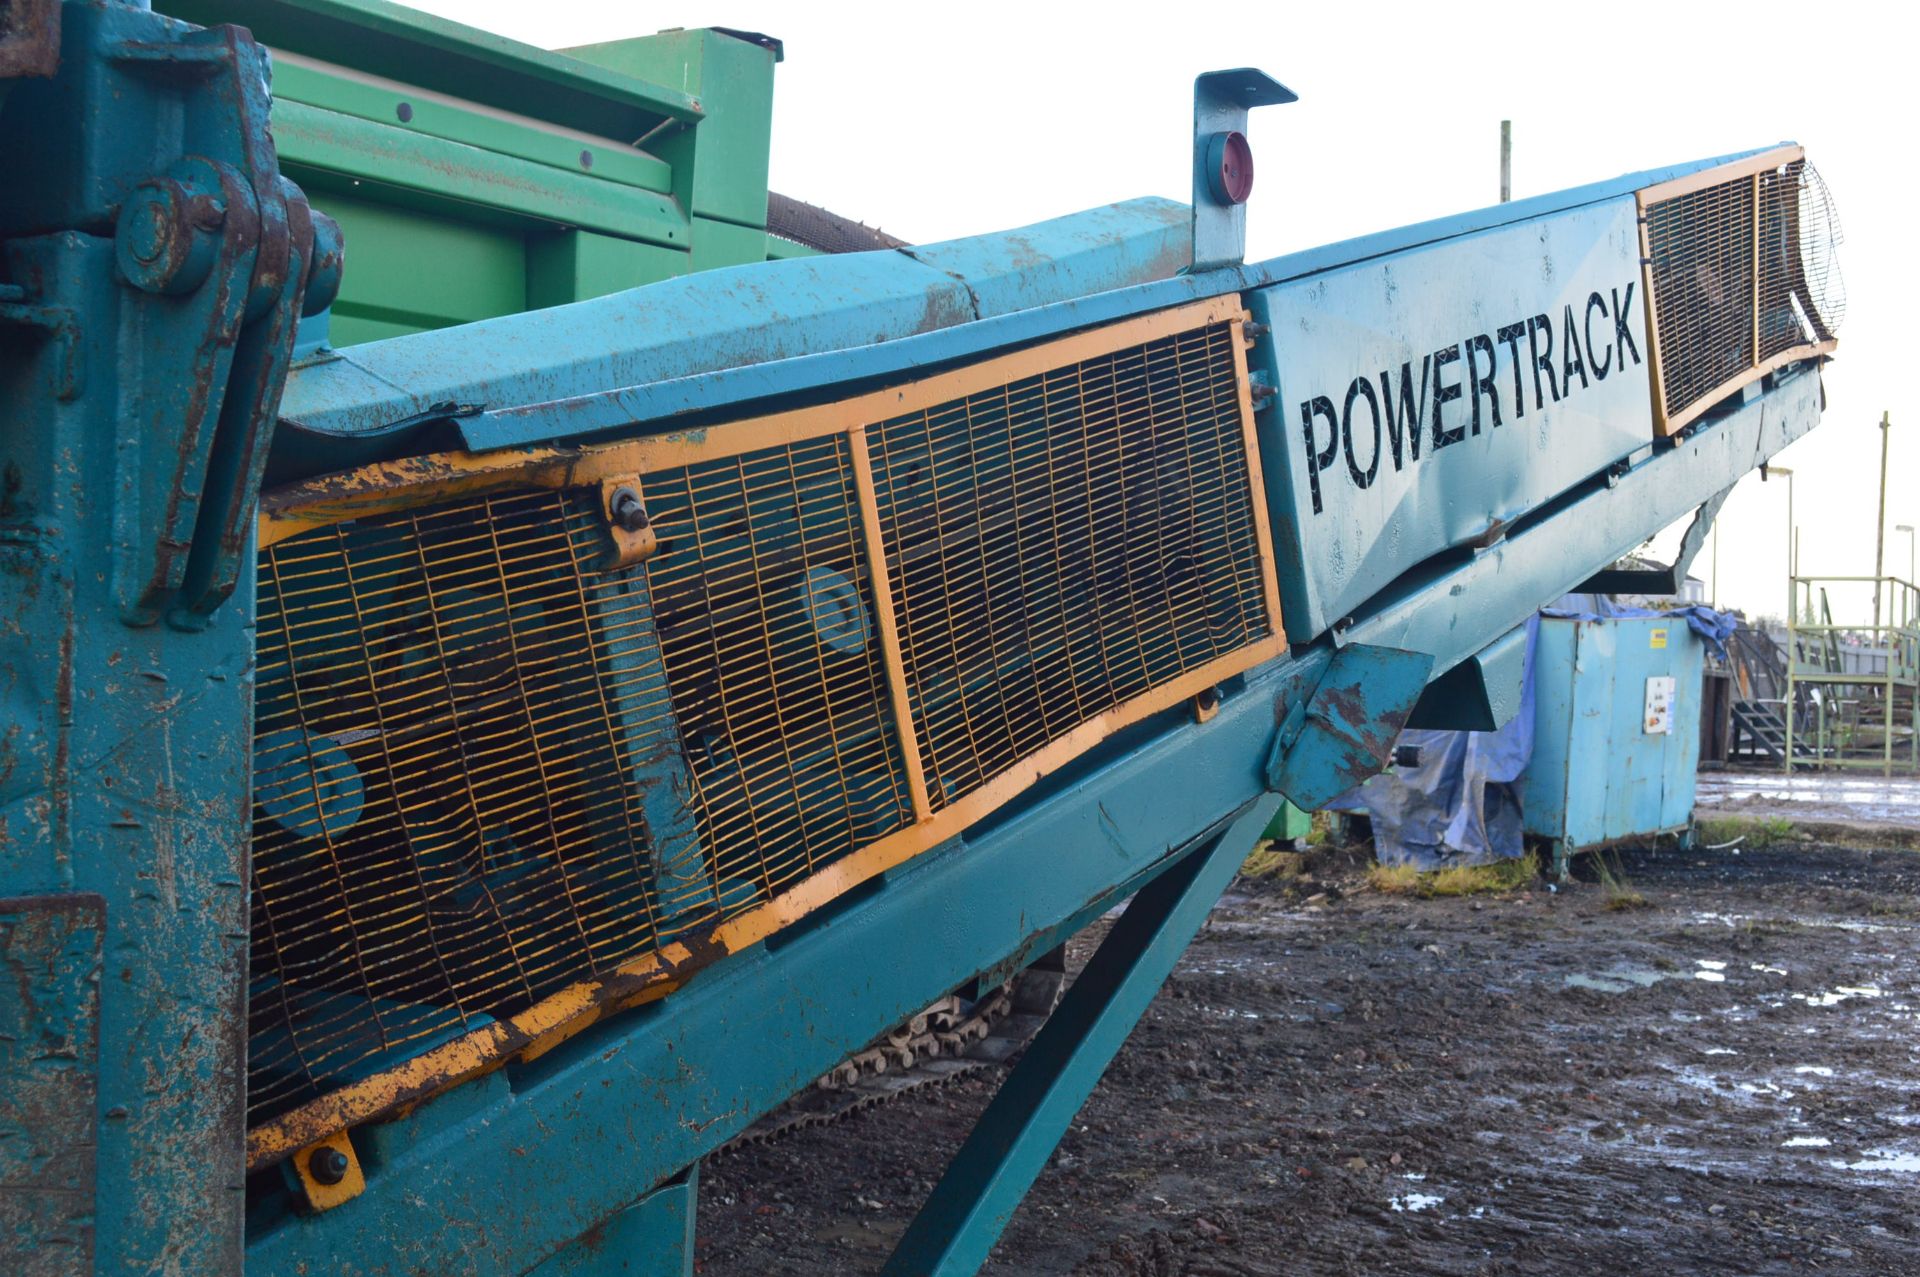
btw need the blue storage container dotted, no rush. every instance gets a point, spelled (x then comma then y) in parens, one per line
(1616, 732)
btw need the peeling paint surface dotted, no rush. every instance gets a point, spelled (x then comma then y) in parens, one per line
(50, 957)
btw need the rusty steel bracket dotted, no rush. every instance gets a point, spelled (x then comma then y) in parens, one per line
(29, 40)
(634, 540)
(214, 252)
(328, 1174)
(1339, 729)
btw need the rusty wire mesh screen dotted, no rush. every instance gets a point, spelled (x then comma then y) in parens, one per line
(1803, 299)
(1702, 250)
(451, 708)
(765, 614)
(488, 765)
(1064, 543)
(1741, 271)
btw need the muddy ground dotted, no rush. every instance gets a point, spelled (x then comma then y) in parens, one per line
(1722, 1081)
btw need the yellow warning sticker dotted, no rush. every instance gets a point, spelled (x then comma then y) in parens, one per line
(1657, 637)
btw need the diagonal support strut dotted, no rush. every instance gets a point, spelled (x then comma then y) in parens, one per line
(1007, 1149)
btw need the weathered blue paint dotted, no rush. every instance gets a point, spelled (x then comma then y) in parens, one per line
(651, 1238)
(562, 372)
(1481, 693)
(1455, 609)
(530, 422)
(1597, 774)
(1004, 1153)
(641, 1096)
(127, 753)
(1428, 398)
(50, 969)
(154, 261)
(360, 412)
(1337, 728)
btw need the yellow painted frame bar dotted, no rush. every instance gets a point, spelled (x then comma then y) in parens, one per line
(390, 486)
(1701, 180)
(881, 579)
(1667, 424)
(387, 486)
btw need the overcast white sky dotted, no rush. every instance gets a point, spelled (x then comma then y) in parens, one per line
(952, 119)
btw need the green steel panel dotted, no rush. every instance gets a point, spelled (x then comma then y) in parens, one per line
(410, 270)
(412, 109)
(780, 249)
(453, 178)
(393, 40)
(720, 166)
(573, 265)
(1288, 823)
(717, 244)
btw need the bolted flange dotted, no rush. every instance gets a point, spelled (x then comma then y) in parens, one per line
(169, 229)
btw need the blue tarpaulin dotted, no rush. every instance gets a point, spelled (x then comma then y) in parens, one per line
(1458, 805)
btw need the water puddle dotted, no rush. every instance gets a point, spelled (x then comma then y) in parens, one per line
(1416, 1202)
(1710, 971)
(1838, 994)
(1818, 1070)
(1231, 1013)
(1832, 924)
(1618, 978)
(1882, 1160)
(1807, 1141)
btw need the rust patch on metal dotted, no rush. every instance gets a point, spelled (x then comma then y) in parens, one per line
(50, 961)
(29, 38)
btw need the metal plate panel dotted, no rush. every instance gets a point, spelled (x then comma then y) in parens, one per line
(49, 1055)
(1426, 399)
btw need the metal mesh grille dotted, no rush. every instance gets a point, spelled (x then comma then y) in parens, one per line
(1702, 248)
(765, 612)
(1742, 271)
(450, 711)
(1064, 543)
(488, 765)
(1803, 299)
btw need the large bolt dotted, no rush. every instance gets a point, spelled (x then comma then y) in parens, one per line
(328, 1165)
(169, 230)
(629, 515)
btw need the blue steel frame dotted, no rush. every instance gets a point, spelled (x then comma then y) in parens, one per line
(647, 1094)
(126, 790)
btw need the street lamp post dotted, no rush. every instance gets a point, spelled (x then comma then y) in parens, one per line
(1767, 472)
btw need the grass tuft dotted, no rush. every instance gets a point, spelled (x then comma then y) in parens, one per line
(1616, 893)
(1459, 880)
(1272, 861)
(1770, 831)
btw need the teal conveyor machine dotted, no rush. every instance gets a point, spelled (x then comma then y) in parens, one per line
(451, 784)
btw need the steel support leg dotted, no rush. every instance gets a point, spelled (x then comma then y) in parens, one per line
(1005, 1153)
